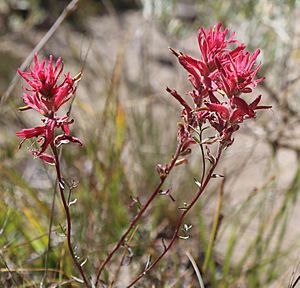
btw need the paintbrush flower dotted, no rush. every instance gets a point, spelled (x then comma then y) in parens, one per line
(224, 72)
(46, 96)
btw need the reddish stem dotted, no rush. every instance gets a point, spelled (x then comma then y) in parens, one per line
(68, 215)
(181, 218)
(140, 213)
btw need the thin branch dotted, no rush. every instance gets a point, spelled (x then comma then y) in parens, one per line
(296, 281)
(139, 214)
(8, 270)
(181, 218)
(124, 255)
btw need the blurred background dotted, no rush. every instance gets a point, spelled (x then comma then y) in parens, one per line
(128, 125)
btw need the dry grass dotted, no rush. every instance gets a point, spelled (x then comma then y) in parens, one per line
(245, 238)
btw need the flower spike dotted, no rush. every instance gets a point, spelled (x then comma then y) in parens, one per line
(223, 73)
(46, 95)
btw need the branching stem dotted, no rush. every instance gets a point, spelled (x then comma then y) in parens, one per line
(140, 213)
(181, 218)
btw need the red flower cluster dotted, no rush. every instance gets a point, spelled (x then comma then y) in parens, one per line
(223, 73)
(46, 96)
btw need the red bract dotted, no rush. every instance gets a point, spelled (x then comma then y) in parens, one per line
(213, 43)
(46, 96)
(235, 75)
(223, 73)
(46, 133)
(43, 79)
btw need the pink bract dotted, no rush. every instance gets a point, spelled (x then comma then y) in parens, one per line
(46, 96)
(223, 73)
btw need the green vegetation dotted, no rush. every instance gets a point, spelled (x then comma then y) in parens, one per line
(242, 235)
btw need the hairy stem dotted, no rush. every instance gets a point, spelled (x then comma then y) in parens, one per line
(181, 218)
(68, 215)
(140, 213)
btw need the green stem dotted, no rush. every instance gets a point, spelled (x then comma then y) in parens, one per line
(214, 229)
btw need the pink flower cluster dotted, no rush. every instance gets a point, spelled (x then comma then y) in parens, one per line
(224, 72)
(46, 96)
